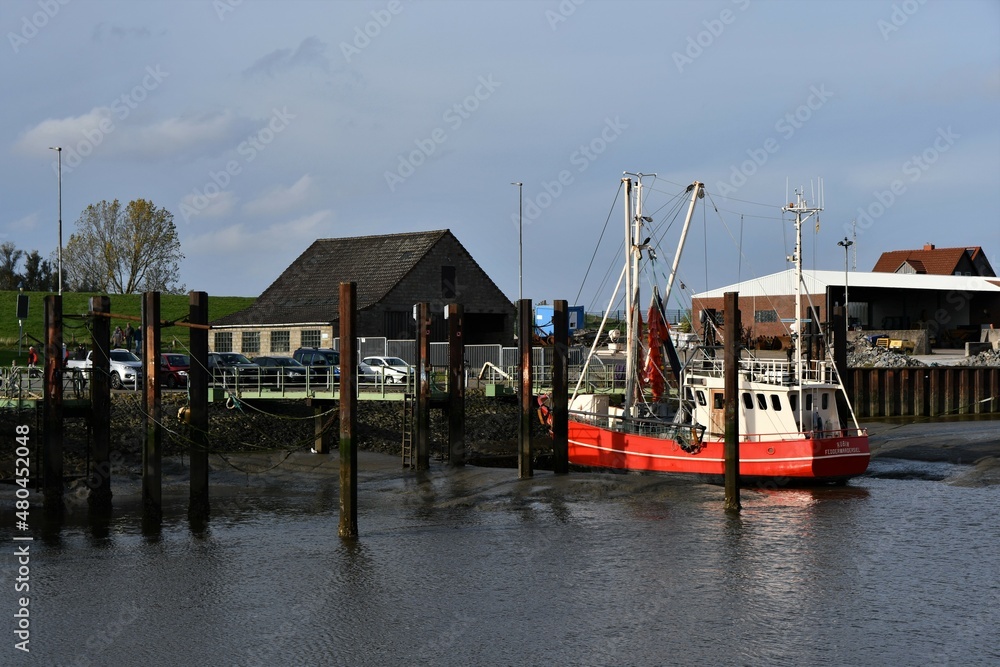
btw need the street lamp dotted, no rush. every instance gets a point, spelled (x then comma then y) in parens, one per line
(520, 228)
(58, 150)
(847, 313)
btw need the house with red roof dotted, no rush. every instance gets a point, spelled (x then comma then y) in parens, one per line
(934, 261)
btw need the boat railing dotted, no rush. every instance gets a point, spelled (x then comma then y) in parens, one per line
(821, 434)
(769, 371)
(658, 428)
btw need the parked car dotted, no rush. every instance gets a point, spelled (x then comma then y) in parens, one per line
(125, 368)
(386, 369)
(174, 370)
(319, 360)
(281, 372)
(232, 366)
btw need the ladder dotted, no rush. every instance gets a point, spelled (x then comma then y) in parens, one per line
(408, 407)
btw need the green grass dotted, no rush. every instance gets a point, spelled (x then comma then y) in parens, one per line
(76, 325)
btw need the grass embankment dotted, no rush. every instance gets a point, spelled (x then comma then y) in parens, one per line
(76, 327)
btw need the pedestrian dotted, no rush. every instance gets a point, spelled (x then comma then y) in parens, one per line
(117, 338)
(129, 336)
(32, 362)
(138, 342)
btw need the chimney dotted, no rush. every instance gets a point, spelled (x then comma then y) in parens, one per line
(928, 246)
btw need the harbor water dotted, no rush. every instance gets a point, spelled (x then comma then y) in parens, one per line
(474, 567)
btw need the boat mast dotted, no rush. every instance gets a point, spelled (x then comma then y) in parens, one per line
(802, 213)
(632, 222)
(697, 191)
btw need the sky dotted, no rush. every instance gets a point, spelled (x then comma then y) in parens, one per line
(264, 125)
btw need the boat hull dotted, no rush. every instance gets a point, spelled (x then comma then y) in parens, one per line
(833, 456)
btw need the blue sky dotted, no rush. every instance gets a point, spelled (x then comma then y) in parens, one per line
(263, 125)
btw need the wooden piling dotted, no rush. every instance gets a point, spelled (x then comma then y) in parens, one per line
(422, 422)
(52, 411)
(560, 387)
(456, 385)
(731, 391)
(100, 403)
(525, 326)
(323, 420)
(198, 379)
(348, 412)
(152, 451)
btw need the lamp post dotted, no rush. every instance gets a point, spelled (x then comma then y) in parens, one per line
(58, 150)
(520, 231)
(847, 313)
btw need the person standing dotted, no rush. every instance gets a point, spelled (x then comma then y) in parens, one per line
(129, 336)
(138, 342)
(117, 338)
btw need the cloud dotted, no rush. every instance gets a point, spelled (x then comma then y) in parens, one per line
(216, 206)
(26, 223)
(106, 31)
(280, 199)
(292, 234)
(102, 132)
(311, 52)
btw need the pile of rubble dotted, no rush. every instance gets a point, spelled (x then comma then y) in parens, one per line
(862, 355)
(987, 358)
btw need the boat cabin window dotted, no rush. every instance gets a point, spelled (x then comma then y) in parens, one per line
(825, 402)
(761, 402)
(747, 400)
(809, 402)
(776, 402)
(688, 394)
(793, 401)
(717, 401)
(701, 397)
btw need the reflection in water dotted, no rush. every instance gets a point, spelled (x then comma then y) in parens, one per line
(476, 568)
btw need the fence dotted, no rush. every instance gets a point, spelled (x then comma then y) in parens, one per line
(920, 391)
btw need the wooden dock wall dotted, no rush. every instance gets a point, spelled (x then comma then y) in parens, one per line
(920, 391)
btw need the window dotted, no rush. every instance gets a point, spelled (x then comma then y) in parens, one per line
(223, 341)
(762, 401)
(250, 343)
(718, 401)
(776, 402)
(825, 400)
(793, 401)
(311, 338)
(701, 397)
(747, 400)
(809, 402)
(765, 316)
(448, 285)
(281, 341)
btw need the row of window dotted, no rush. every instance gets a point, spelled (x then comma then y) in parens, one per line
(280, 341)
(762, 401)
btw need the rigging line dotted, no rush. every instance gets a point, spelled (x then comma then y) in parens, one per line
(739, 265)
(603, 231)
(744, 201)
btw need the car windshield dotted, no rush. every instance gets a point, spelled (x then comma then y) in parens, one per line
(234, 358)
(284, 361)
(123, 355)
(177, 359)
(394, 361)
(332, 358)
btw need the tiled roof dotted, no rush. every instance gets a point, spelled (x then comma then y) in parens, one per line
(935, 262)
(308, 290)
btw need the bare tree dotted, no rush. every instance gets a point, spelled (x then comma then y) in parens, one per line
(124, 251)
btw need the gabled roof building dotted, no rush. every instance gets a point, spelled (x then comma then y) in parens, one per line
(393, 272)
(936, 261)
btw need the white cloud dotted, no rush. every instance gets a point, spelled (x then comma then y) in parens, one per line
(199, 205)
(280, 199)
(26, 223)
(291, 234)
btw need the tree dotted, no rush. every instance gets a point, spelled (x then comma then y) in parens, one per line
(10, 279)
(124, 250)
(37, 273)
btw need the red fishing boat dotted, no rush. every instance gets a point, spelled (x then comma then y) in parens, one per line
(795, 421)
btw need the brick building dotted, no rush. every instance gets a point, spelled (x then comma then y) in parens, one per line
(393, 272)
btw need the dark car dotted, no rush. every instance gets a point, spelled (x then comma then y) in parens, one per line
(174, 369)
(281, 372)
(230, 366)
(319, 360)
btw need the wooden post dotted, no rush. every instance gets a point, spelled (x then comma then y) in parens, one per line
(560, 387)
(152, 452)
(423, 403)
(731, 395)
(198, 377)
(456, 385)
(525, 326)
(323, 421)
(348, 411)
(52, 355)
(100, 403)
